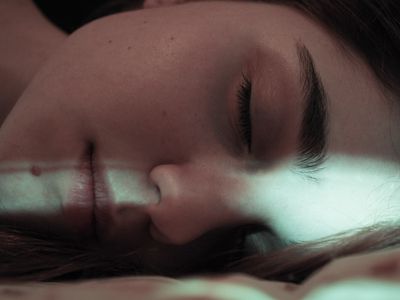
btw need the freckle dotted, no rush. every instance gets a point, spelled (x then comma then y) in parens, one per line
(36, 171)
(386, 268)
(164, 113)
(144, 22)
(172, 38)
(129, 48)
(109, 41)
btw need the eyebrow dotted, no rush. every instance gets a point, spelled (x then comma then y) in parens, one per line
(314, 125)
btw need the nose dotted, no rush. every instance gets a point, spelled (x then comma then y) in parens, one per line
(194, 199)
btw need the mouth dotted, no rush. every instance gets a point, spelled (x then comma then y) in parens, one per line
(90, 210)
(80, 207)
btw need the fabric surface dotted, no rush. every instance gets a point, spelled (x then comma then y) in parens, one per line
(362, 277)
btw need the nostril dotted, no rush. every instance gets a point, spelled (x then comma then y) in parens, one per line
(165, 179)
(158, 194)
(153, 194)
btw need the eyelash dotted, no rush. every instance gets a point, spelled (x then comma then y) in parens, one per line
(244, 97)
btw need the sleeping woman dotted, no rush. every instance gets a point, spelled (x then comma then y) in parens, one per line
(199, 137)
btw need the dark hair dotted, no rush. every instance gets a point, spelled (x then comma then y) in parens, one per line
(371, 28)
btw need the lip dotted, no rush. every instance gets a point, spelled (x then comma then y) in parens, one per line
(103, 204)
(89, 207)
(90, 210)
(79, 207)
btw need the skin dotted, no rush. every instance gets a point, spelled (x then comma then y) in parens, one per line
(22, 51)
(158, 101)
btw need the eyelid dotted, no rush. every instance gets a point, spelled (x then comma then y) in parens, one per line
(244, 121)
(238, 147)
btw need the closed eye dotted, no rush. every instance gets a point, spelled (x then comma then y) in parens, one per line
(244, 120)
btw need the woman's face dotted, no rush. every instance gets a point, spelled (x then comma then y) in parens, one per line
(155, 92)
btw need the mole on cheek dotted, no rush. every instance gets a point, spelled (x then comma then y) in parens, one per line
(36, 171)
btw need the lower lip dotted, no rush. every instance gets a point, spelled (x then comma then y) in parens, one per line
(79, 207)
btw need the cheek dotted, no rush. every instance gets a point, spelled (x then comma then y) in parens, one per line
(348, 194)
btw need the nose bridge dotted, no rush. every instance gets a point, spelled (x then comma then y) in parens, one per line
(193, 200)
